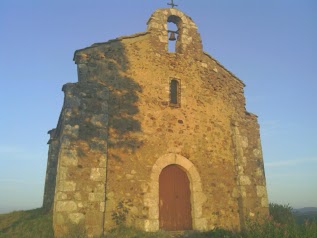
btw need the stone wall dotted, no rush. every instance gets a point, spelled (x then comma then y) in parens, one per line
(51, 171)
(118, 131)
(80, 181)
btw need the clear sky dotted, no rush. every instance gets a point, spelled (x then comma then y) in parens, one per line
(271, 45)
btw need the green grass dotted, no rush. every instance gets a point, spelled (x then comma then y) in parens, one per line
(281, 224)
(26, 224)
(129, 232)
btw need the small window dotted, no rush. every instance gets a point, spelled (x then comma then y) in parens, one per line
(175, 93)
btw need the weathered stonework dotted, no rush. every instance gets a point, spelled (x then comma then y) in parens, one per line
(118, 131)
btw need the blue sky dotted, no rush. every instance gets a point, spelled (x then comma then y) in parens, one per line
(270, 45)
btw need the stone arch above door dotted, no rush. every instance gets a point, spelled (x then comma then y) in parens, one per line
(151, 198)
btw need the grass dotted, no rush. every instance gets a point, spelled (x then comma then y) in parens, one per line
(129, 232)
(26, 224)
(281, 224)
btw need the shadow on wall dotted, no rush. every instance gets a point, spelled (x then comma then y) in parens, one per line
(110, 72)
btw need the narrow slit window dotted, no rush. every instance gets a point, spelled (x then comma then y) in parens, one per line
(174, 93)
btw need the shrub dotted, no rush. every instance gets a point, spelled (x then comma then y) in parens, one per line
(280, 223)
(282, 214)
(119, 216)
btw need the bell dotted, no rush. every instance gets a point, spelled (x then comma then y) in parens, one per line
(172, 36)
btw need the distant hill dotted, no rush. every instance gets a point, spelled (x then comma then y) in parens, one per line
(306, 209)
(305, 214)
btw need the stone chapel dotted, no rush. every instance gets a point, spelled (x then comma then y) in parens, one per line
(156, 138)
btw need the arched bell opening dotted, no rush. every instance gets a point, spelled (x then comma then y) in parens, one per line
(174, 26)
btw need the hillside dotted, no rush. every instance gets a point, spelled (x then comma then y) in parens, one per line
(38, 224)
(26, 224)
(305, 214)
(306, 209)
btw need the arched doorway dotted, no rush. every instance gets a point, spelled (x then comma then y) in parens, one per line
(174, 199)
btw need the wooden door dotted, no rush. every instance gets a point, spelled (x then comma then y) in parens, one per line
(175, 207)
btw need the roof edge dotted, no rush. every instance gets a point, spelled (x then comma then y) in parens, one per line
(239, 80)
(111, 41)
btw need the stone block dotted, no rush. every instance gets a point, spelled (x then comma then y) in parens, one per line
(94, 218)
(98, 120)
(182, 161)
(67, 186)
(245, 180)
(129, 176)
(59, 219)
(62, 173)
(261, 191)
(264, 202)
(243, 192)
(69, 158)
(110, 195)
(257, 153)
(134, 211)
(200, 198)
(244, 141)
(204, 65)
(77, 196)
(235, 193)
(99, 188)
(173, 12)
(196, 186)
(96, 197)
(111, 205)
(165, 160)
(259, 172)
(156, 170)
(151, 225)
(154, 187)
(61, 196)
(82, 70)
(66, 206)
(98, 174)
(102, 206)
(76, 218)
(201, 224)
(197, 211)
(154, 212)
(194, 174)
(102, 161)
(150, 201)
(163, 39)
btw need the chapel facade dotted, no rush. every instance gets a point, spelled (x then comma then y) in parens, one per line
(154, 139)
